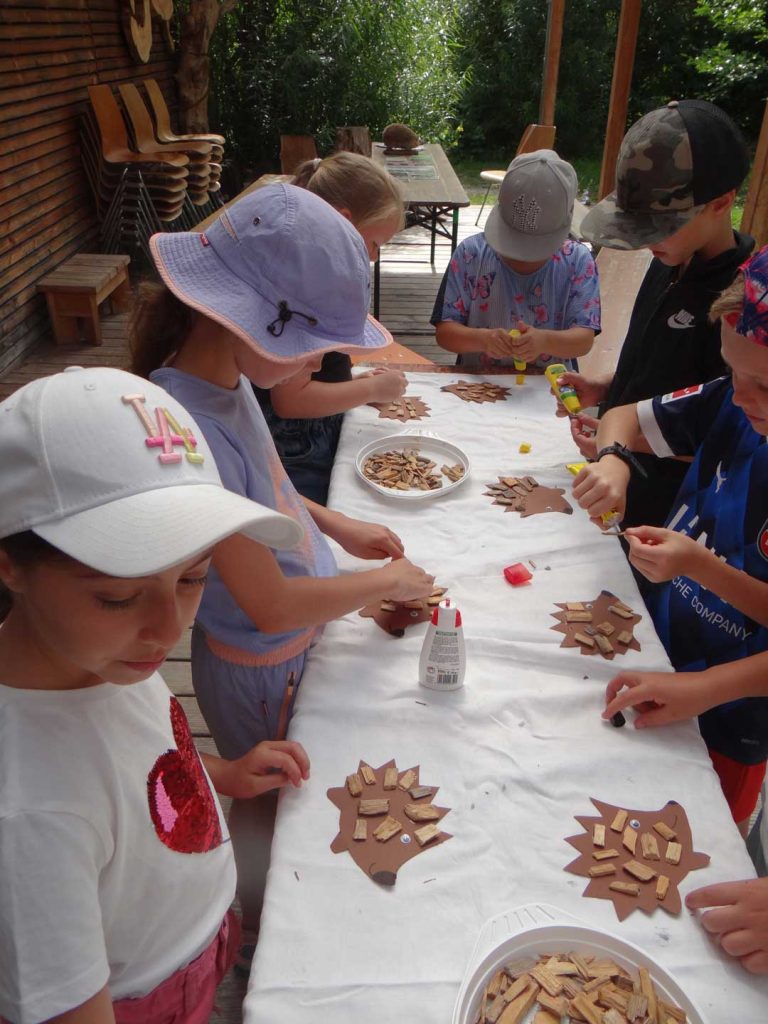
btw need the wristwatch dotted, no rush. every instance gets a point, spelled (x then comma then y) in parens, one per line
(623, 453)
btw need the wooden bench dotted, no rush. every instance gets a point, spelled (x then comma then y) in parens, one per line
(75, 290)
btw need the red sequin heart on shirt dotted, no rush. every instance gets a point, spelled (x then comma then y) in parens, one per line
(182, 806)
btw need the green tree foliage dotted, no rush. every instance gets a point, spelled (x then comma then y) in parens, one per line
(284, 66)
(734, 66)
(469, 72)
(712, 50)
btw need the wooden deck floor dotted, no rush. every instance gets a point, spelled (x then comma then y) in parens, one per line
(409, 286)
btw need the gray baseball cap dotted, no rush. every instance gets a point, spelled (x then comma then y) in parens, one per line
(532, 217)
(671, 163)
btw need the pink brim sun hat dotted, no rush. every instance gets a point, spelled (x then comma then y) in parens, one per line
(282, 270)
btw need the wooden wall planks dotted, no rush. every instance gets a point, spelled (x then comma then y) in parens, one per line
(50, 51)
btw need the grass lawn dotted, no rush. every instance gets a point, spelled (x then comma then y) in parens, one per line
(587, 169)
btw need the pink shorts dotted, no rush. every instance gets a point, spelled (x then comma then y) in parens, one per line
(187, 997)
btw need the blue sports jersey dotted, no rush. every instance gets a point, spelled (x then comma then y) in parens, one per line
(722, 503)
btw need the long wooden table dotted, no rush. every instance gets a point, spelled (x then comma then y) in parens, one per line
(428, 199)
(517, 753)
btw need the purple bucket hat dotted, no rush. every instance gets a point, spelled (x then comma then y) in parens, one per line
(753, 321)
(281, 269)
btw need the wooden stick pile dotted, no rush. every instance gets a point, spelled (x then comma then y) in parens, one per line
(569, 987)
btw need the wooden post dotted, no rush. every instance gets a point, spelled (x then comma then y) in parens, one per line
(192, 77)
(623, 64)
(555, 16)
(294, 150)
(353, 139)
(755, 217)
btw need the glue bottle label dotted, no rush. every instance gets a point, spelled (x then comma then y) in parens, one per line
(442, 662)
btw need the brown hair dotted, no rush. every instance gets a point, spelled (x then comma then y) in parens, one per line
(355, 183)
(728, 301)
(25, 549)
(159, 325)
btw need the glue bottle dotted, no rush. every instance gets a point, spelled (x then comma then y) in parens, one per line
(564, 392)
(520, 364)
(443, 660)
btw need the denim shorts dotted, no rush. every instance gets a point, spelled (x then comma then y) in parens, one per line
(307, 449)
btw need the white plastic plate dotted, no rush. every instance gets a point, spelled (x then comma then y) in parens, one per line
(539, 928)
(443, 453)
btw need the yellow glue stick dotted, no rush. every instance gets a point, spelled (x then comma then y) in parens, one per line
(610, 519)
(519, 364)
(564, 392)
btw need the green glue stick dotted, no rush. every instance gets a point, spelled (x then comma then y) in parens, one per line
(519, 364)
(564, 392)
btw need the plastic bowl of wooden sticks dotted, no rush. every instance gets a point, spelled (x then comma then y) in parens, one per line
(412, 466)
(538, 959)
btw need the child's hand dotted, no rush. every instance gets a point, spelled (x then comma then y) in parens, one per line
(271, 764)
(588, 392)
(531, 343)
(660, 698)
(366, 540)
(583, 432)
(663, 554)
(739, 921)
(406, 581)
(386, 385)
(498, 343)
(602, 487)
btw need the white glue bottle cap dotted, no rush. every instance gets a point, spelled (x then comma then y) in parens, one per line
(446, 616)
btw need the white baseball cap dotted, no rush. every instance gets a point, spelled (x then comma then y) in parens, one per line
(114, 472)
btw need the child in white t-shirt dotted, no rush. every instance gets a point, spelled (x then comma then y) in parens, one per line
(116, 870)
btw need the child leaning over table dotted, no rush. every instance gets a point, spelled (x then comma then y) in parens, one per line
(305, 413)
(116, 873)
(736, 913)
(711, 563)
(522, 272)
(677, 174)
(278, 280)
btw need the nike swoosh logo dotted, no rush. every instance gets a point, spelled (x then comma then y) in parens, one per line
(680, 320)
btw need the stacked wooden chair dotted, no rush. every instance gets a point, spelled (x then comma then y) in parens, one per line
(196, 150)
(164, 133)
(107, 153)
(141, 184)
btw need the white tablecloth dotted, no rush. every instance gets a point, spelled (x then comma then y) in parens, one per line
(516, 753)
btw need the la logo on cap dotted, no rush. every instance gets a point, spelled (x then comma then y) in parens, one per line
(165, 432)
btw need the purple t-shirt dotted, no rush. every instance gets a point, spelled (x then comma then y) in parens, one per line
(248, 463)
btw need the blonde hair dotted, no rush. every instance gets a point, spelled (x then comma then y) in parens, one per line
(159, 327)
(349, 181)
(731, 300)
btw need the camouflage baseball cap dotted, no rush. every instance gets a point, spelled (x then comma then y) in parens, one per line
(671, 162)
